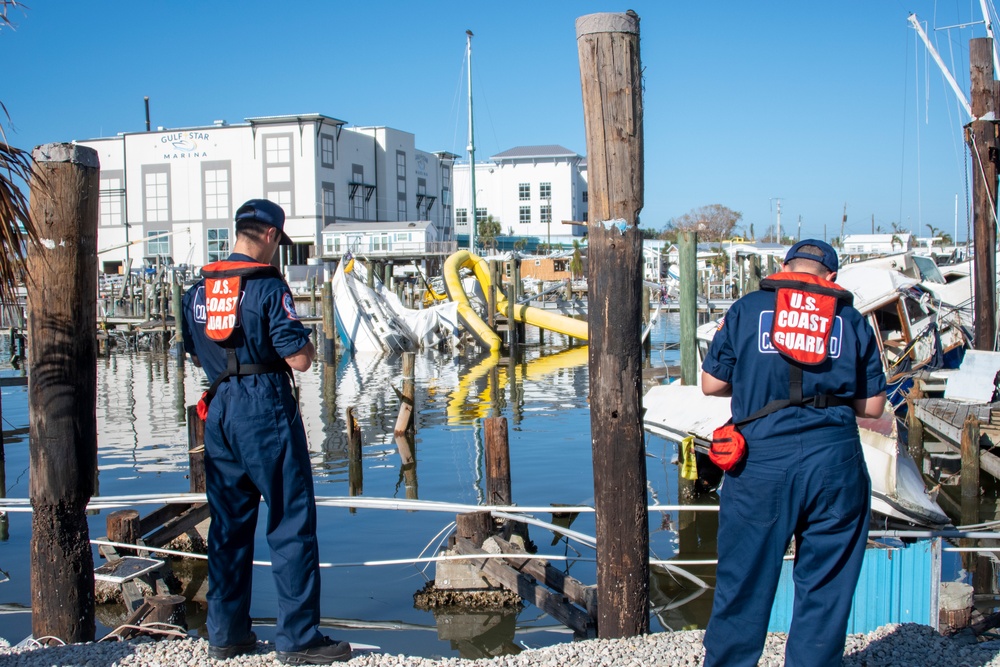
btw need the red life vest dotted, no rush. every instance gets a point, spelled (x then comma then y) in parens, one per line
(804, 312)
(223, 288)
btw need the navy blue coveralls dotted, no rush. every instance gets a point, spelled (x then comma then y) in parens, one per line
(255, 446)
(804, 477)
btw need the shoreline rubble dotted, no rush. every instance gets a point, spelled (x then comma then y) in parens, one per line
(891, 645)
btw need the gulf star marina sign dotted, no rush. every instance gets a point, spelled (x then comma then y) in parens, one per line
(183, 145)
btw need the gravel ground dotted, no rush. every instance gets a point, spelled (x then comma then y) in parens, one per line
(892, 645)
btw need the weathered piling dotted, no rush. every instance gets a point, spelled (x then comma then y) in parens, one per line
(970, 458)
(196, 450)
(687, 265)
(981, 136)
(178, 311)
(491, 295)
(498, 487)
(355, 474)
(124, 527)
(62, 392)
(611, 78)
(753, 275)
(406, 445)
(404, 420)
(512, 340)
(329, 328)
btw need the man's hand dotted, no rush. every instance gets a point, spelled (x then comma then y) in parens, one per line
(302, 360)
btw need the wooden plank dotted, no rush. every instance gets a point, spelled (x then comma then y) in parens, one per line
(158, 517)
(18, 381)
(554, 605)
(182, 524)
(951, 436)
(577, 592)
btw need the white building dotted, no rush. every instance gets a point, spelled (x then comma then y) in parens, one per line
(876, 244)
(530, 190)
(175, 191)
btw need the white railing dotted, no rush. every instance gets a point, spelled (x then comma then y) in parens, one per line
(396, 248)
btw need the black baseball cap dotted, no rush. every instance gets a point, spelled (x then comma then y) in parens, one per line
(827, 259)
(267, 212)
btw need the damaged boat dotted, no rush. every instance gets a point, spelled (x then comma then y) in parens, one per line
(915, 331)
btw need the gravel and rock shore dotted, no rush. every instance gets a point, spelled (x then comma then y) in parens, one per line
(907, 645)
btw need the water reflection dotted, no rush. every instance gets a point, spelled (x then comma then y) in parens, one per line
(542, 390)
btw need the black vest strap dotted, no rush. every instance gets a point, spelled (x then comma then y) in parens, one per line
(234, 369)
(795, 398)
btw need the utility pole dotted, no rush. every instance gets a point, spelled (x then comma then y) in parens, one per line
(611, 78)
(778, 225)
(982, 140)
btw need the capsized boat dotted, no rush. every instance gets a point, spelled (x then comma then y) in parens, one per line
(373, 320)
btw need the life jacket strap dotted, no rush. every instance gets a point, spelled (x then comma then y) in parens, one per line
(235, 369)
(795, 398)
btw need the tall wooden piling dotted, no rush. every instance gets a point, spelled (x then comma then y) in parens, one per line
(687, 266)
(177, 306)
(62, 390)
(970, 458)
(498, 488)
(611, 78)
(981, 136)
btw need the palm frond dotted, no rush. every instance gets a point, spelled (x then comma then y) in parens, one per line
(16, 225)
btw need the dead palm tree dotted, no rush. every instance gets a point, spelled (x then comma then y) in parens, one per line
(16, 225)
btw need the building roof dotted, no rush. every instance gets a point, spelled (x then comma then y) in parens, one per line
(549, 151)
(299, 117)
(393, 226)
(875, 238)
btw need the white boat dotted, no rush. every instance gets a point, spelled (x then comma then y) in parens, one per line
(373, 320)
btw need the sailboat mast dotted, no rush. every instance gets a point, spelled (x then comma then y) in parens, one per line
(472, 151)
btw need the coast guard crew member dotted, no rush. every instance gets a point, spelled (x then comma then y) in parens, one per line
(800, 364)
(240, 325)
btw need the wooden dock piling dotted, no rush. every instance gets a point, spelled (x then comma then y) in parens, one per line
(687, 265)
(329, 327)
(355, 473)
(405, 419)
(611, 78)
(498, 487)
(62, 393)
(196, 450)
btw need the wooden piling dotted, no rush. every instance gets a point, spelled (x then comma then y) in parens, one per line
(405, 420)
(474, 526)
(329, 327)
(753, 275)
(196, 450)
(981, 136)
(123, 527)
(687, 266)
(312, 295)
(611, 77)
(970, 458)
(62, 391)
(491, 296)
(168, 609)
(355, 473)
(498, 488)
(177, 301)
(914, 429)
(512, 340)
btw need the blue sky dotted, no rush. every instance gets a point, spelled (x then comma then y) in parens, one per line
(820, 104)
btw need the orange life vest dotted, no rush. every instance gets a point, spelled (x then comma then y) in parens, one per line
(804, 313)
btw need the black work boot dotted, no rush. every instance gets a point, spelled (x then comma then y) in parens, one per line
(329, 651)
(248, 645)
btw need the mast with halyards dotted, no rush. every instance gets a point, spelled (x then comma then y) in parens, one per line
(472, 152)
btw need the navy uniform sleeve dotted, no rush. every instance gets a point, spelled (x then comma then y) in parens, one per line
(871, 375)
(721, 358)
(288, 336)
(187, 304)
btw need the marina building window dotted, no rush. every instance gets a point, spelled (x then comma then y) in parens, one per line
(156, 193)
(215, 185)
(278, 170)
(329, 207)
(584, 196)
(218, 244)
(401, 212)
(546, 213)
(525, 215)
(480, 215)
(401, 165)
(380, 242)
(332, 244)
(461, 217)
(326, 150)
(112, 196)
(157, 243)
(545, 191)
(358, 192)
(524, 191)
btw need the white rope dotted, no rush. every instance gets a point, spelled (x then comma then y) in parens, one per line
(118, 502)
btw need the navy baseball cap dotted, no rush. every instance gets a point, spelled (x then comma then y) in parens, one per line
(267, 212)
(827, 259)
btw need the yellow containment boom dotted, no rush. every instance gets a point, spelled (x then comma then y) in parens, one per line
(476, 326)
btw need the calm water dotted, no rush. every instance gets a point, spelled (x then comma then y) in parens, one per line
(143, 449)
